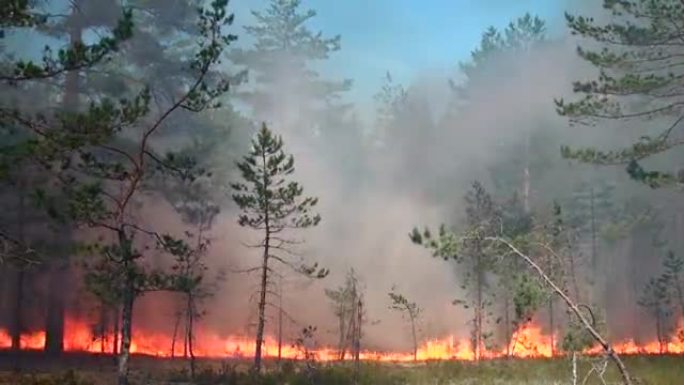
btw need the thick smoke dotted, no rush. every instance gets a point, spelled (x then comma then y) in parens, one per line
(371, 197)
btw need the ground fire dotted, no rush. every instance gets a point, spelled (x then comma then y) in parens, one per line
(528, 341)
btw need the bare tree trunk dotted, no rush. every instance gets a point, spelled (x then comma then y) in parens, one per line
(189, 332)
(478, 312)
(341, 344)
(126, 332)
(507, 324)
(54, 326)
(18, 310)
(357, 339)
(103, 327)
(117, 321)
(608, 349)
(262, 310)
(280, 319)
(659, 331)
(415, 338)
(127, 311)
(176, 325)
(552, 327)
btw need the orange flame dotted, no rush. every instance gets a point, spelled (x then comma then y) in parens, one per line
(528, 341)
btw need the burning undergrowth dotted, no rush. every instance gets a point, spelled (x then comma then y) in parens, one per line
(529, 341)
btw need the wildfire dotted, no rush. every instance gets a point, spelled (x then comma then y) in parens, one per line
(528, 341)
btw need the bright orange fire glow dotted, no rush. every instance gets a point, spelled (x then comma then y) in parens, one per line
(528, 341)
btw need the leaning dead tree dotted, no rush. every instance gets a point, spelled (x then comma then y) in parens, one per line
(448, 244)
(411, 311)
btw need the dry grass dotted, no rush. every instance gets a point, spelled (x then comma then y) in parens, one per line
(660, 370)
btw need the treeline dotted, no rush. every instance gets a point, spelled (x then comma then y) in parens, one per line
(145, 108)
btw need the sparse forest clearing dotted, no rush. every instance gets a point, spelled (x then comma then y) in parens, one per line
(318, 192)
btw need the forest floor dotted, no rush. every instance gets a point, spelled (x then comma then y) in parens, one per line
(82, 369)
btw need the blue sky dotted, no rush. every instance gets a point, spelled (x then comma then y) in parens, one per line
(406, 37)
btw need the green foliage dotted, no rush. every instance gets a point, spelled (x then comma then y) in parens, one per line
(528, 295)
(639, 73)
(76, 57)
(576, 338)
(520, 35)
(665, 292)
(281, 64)
(402, 304)
(266, 197)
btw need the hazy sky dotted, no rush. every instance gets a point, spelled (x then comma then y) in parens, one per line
(406, 37)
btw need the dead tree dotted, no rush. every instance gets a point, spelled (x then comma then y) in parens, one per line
(448, 244)
(408, 309)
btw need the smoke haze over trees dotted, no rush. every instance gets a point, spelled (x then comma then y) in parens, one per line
(480, 145)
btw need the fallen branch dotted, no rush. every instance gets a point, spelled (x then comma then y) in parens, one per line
(574, 307)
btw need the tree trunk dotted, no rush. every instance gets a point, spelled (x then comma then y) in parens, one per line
(264, 279)
(189, 333)
(54, 325)
(341, 345)
(18, 322)
(280, 319)
(116, 327)
(357, 339)
(552, 327)
(262, 311)
(478, 310)
(507, 324)
(18, 310)
(659, 331)
(415, 339)
(126, 332)
(607, 348)
(176, 325)
(127, 311)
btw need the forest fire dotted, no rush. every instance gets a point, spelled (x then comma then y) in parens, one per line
(527, 342)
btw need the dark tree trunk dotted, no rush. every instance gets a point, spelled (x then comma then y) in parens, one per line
(18, 310)
(189, 332)
(54, 326)
(117, 331)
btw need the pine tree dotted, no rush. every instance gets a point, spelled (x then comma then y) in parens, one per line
(638, 57)
(473, 254)
(517, 41)
(656, 299)
(272, 206)
(28, 80)
(103, 160)
(285, 89)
